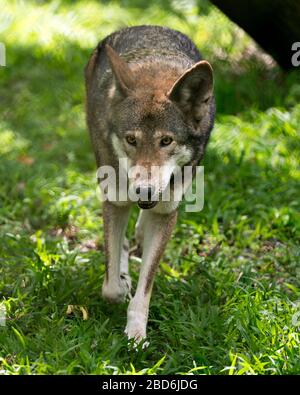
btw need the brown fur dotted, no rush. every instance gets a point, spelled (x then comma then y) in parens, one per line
(145, 84)
(170, 220)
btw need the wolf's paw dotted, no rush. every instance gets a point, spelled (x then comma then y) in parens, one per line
(117, 293)
(136, 329)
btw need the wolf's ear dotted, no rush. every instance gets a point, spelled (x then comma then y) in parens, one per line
(193, 91)
(124, 76)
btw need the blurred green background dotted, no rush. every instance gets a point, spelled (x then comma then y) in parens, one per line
(227, 295)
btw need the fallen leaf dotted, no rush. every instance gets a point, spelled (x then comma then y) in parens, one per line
(26, 160)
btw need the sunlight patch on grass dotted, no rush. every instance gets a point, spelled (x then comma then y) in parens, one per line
(51, 26)
(11, 142)
(245, 138)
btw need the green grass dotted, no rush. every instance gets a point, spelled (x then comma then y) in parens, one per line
(227, 297)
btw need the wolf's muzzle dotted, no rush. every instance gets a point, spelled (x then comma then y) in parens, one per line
(146, 194)
(146, 205)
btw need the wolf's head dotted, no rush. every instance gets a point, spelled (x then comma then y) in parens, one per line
(161, 119)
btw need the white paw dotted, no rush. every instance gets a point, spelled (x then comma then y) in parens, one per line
(117, 293)
(136, 328)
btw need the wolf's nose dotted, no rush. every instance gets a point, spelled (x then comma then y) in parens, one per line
(145, 193)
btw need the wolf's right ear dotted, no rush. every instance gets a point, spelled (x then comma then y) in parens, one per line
(193, 92)
(124, 76)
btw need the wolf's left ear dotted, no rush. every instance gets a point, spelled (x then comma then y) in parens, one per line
(124, 76)
(193, 91)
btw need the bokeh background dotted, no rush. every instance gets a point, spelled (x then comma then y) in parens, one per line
(227, 296)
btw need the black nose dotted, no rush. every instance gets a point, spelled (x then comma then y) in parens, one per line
(145, 193)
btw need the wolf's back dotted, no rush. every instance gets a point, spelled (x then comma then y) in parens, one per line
(139, 42)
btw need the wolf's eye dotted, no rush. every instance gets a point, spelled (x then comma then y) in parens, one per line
(131, 139)
(167, 140)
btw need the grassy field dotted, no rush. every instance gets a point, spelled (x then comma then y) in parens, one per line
(227, 296)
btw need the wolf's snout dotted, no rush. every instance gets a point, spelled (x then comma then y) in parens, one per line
(146, 194)
(146, 205)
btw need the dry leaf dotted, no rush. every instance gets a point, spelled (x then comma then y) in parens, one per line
(26, 160)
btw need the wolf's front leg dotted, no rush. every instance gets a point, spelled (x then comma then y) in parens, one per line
(157, 231)
(117, 282)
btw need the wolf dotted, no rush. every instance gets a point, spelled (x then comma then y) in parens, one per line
(149, 100)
